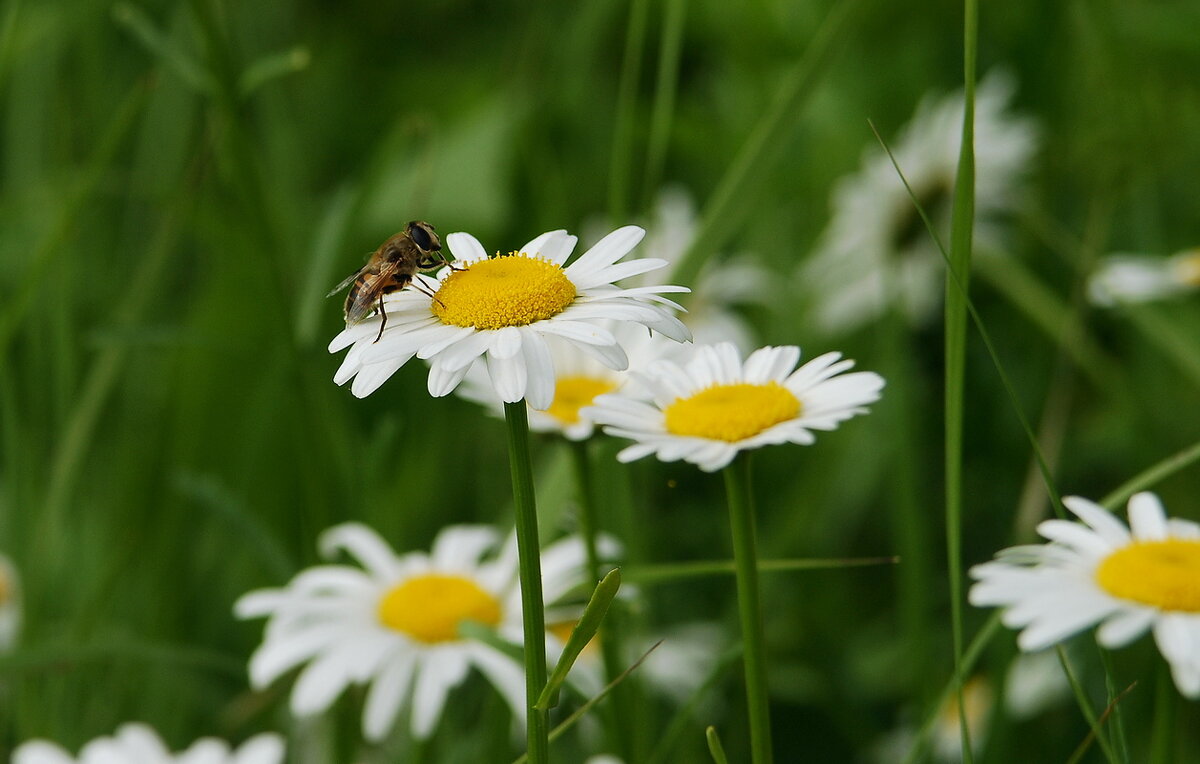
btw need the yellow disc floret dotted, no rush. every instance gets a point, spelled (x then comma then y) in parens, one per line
(573, 393)
(732, 412)
(1164, 574)
(1187, 267)
(511, 290)
(430, 608)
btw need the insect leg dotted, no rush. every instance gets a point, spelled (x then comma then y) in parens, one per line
(420, 287)
(382, 320)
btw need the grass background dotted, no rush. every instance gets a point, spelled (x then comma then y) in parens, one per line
(181, 182)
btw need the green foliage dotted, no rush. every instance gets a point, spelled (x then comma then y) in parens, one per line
(182, 182)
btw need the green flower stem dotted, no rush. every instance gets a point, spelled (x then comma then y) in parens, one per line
(745, 557)
(621, 726)
(1163, 732)
(529, 553)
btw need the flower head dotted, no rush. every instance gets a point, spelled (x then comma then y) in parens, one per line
(394, 622)
(139, 744)
(875, 252)
(1141, 278)
(501, 310)
(1127, 579)
(10, 604)
(708, 410)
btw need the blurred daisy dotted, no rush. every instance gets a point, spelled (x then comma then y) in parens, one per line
(708, 410)
(1102, 572)
(139, 744)
(1140, 278)
(946, 732)
(875, 252)
(722, 283)
(501, 310)
(10, 604)
(394, 622)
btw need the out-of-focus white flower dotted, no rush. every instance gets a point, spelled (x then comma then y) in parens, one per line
(501, 311)
(722, 283)
(875, 251)
(139, 744)
(394, 622)
(716, 406)
(10, 604)
(1128, 579)
(1035, 682)
(1126, 278)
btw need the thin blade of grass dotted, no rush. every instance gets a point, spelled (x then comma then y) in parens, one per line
(1085, 706)
(580, 712)
(160, 45)
(683, 571)
(722, 215)
(621, 159)
(957, 290)
(969, 658)
(272, 67)
(662, 113)
(1152, 475)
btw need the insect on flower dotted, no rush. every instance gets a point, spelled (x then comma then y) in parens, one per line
(390, 269)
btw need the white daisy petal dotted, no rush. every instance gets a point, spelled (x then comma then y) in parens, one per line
(386, 696)
(1147, 518)
(364, 544)
(466, 248)
(433, 683)
(1101, 520)
(1124, 627)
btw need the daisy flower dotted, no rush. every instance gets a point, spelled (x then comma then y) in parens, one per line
(875, 252)
(10, 604)
(501, 310)
(708, 410)
(139, 744)
(1141, 278)
(394, 622)
(1127, 579)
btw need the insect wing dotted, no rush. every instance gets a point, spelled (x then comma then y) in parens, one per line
(345, 283)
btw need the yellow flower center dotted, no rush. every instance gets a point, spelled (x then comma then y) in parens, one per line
(510, 290)
(1164, 574)
(430, 608)
(5, 592)
(573, 393)
(732, 412)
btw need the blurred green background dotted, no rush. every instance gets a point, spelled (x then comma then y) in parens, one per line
(182, 182)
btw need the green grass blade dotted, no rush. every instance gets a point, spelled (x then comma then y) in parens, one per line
(160, 45)
(1152, 475)
(272, 67)
(583, 710)
(621, 159)
(665, 573)
(663, 111)
(581, 635)
(751, 166)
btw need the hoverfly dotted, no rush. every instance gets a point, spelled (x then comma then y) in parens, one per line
(391, 268)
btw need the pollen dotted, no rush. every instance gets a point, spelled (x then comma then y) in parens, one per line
(1163, 574)
(509, 290)
(430, 608)
(573, 393)
(732, 412)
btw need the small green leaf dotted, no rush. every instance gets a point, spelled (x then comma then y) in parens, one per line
(589, 624)
(160, 44)
(714, 746)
